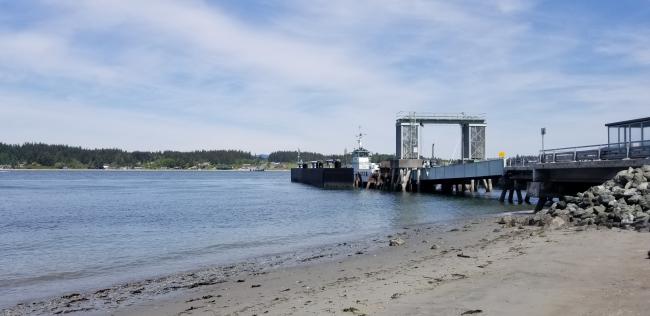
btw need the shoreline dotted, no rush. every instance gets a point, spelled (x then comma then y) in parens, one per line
(138, 289)
(478, 267)
(373, 278)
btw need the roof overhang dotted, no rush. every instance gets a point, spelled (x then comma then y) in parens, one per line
(628, 122)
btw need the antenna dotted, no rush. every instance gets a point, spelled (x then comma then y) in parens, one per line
(360, 137)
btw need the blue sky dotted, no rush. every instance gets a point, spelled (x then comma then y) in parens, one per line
(267, 75)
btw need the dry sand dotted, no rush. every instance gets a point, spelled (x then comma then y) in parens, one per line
(478, 269)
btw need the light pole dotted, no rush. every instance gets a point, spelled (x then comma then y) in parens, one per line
(543, 132)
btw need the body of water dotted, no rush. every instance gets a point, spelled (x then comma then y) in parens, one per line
(64, 231)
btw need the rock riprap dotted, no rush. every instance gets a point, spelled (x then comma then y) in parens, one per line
(620, 202)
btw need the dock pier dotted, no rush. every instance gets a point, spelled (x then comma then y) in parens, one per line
(552, 174)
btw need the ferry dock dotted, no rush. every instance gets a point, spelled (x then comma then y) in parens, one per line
(552, 173)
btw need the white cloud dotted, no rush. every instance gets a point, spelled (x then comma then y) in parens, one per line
(47, 54)
(513, 6)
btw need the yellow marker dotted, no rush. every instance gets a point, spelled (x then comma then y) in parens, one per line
(502, 154)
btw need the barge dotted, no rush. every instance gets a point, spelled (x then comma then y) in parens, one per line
(327, 178)
(331, 175)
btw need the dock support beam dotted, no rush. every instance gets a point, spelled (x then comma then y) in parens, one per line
(540, 203)
(517, 187)
(509, 188)
(502, 198)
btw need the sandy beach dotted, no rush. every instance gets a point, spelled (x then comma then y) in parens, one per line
(471, 270)
(471, 267)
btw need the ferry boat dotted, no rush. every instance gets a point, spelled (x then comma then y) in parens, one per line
(361, 165)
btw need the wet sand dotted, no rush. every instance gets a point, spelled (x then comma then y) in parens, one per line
(473, 270)
(475, 267)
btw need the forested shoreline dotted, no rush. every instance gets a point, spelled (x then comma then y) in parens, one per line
(42, 156)
(38, 155)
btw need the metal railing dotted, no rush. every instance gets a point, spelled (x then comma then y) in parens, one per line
(613, 151)
(522, 161)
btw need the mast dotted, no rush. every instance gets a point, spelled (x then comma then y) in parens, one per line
(360, 138)
(299, 160)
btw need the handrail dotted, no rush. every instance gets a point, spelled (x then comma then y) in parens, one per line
(522, 161)
(625, 148)
(464, 162)
(599, 145)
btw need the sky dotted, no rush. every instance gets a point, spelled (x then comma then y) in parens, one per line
(281, 75)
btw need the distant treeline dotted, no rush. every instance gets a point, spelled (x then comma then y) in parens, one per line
(62, 156)
(292, 156)
(38, 155)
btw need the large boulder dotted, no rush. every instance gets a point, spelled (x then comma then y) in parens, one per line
(634, 199)
(638, 179)
(617, 191)
(645, 202)
(629, 192)
(623, 177)
(627, 218)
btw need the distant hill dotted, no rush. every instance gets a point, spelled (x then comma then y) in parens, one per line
(38, 155)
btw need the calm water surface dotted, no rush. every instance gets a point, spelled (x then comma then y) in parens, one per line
(73, 230)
